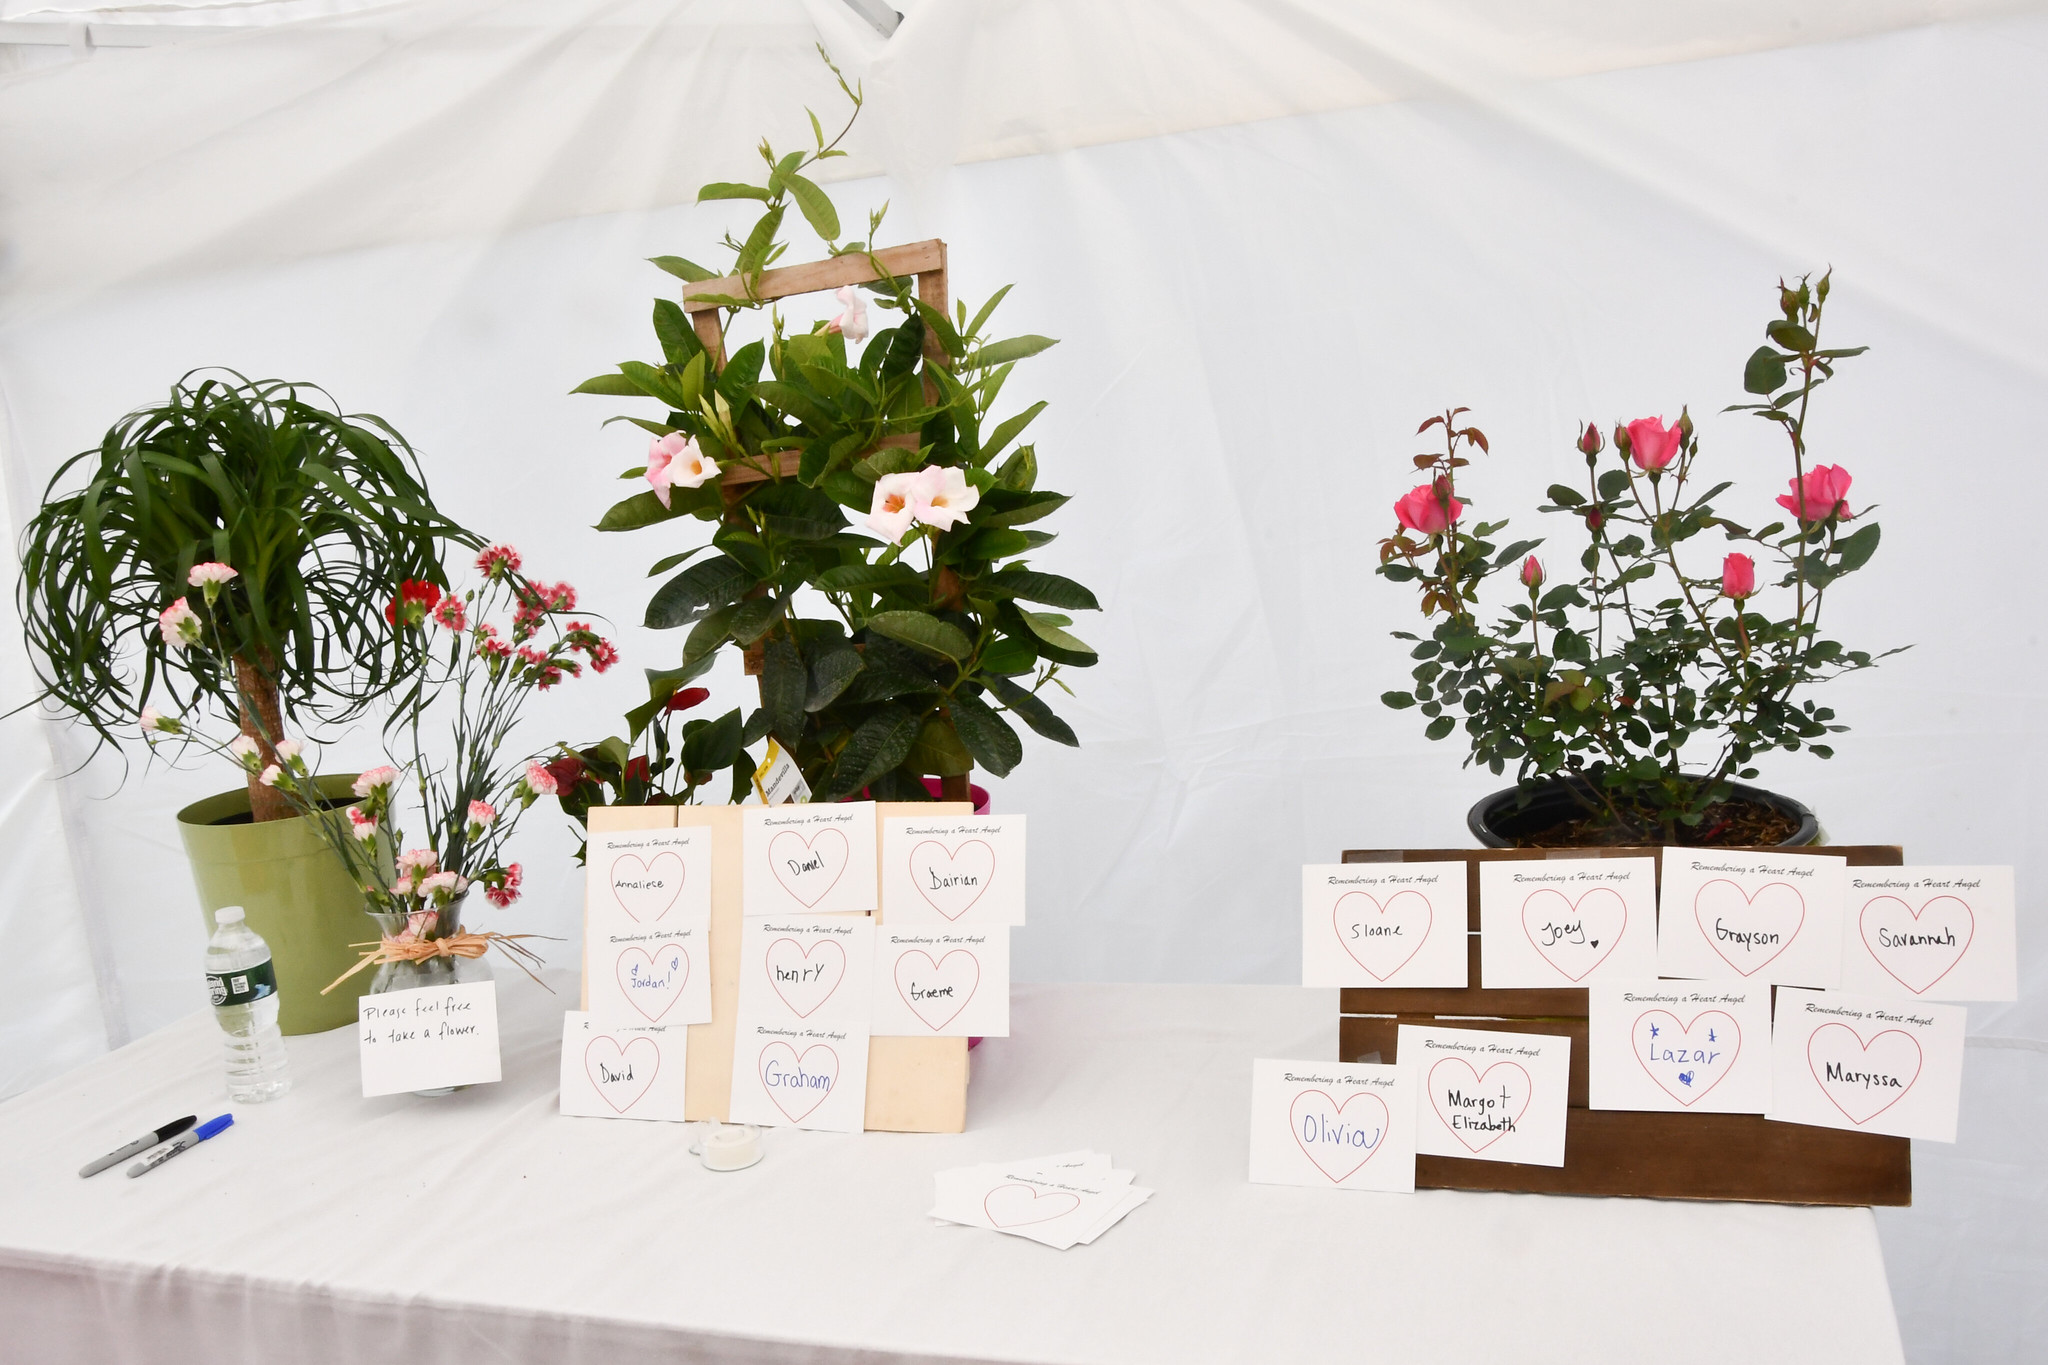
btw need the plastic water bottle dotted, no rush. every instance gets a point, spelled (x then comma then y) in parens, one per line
(243, 985)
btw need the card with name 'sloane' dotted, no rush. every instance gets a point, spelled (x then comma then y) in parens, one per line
(1934, 933)
(1700, 1047)
(1333, 1125)
(1567, 921)
(1383, 924)
(962, 870)
(1485, 1095)
(1774, 919)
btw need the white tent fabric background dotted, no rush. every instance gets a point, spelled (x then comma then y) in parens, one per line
(1272, 237)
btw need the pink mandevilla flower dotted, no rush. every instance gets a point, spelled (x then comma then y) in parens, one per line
(1824, 494)
(1532, 573)
(894, 507)
(180, 624)
(942, 497)
(1738, 577)
(852, 322)
(1422, 511)
(1651, 444)
(674, 461)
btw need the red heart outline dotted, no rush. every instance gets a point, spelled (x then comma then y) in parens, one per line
(1055, 1195)
(1863, 928)
(1294, 1127)
(937, 966)
(590, 1068)
(797, 1064)
(952, 856)
(647, 869)
(619, 971)
(1685, 1029)
(1337, 928)
(1920, 1060)
(810, 844)
(1479, 1079)
(1749, 900)
(1612, 943)
(805, 953)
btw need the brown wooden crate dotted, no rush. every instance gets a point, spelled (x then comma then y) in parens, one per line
(1616, 1152)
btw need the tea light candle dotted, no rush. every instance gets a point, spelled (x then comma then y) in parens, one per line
(730, 1146)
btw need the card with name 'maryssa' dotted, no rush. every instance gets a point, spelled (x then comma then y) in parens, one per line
(1486, 1095)
(1771, 918)
(1383, 924)
(1867, 1063)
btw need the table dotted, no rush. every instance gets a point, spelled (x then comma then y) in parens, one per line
(486, 1227)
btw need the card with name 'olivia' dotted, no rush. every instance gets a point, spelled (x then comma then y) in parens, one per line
(965, 870)
(1934, 933)
(800, 1039)
(1567, 921)
(646, 926)
(1771, 918)
(808, 860)
(1485, 1095)
(1867, 1063)
(1342, 1125)
(1383, 924)
(1701, 1047)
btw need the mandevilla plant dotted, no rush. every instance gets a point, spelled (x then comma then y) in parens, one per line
(927, 640)
(1618, 677)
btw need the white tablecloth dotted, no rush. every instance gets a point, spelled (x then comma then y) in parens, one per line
(487, 1227)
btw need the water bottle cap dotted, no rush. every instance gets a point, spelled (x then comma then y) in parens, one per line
(227, 914)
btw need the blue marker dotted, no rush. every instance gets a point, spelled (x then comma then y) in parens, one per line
(181, 1143)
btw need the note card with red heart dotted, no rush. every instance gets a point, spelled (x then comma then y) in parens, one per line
(646, 926)
(609, 1072)
(1691, 1047)
(1487, 1096)
(1772, 919)
(1933, 933)
(800, 1041)
(1333, 1125)
(808, 860)
(1060, 1202)
(1567, 921)
(1383, 924)
(941, 983)
(1867, 1063)
(966, 871)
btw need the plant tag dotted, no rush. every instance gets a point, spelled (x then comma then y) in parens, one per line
(778, 781)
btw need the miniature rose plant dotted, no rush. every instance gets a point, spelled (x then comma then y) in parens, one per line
(1651, 680)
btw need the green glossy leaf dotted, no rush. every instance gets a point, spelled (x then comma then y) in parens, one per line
(988, 736)
(1055, 643)
(1005, 352)
(682, 269)
(1033, 711)
(1764, 372)
(922, 631)
(880, 743)
(784, 687)
(832, 672)
(611, 386)
(1005, 507)
(938, 751)
(1029, 585)
(642, 509)
(854, 577)
(687, 596)
(724, 189)
(752, 618)
(816, 205)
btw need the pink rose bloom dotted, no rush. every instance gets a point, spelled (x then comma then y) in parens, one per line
(941, 497)
(674, 461)
(1824, 495)
(539, 780)
(481, 815)
(1421, 511)
(1651, 444)
(852, 322)
(375, 779)
(180, 625)
(1738, 577)
(1532, 573)
(1589, 440)
(894, 507)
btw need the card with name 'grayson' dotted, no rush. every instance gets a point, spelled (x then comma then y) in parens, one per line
(1485, 1095)
(1701, 1047)
(942, 982)
(1383, 924)
(808, 860)
(1567, 921)
(1770, 918)
(646, 926)
(800, 1038)
(1870, 1064)
(612, 1072)
(1934, 933)
(1333, 1125)
(965, 870)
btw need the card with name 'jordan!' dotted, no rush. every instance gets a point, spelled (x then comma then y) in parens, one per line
(1774, 919)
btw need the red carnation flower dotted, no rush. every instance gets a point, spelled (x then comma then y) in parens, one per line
(415, 599)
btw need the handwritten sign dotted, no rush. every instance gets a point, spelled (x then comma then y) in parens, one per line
(1383, 924)
(800, 1045)
(959, 870)
(1934, 933)
(428, 1038)
(1867, 1063)
(612, 1072)
(1766, 918)
(1332, 1125)
(808, 860)
(1567, 921)
(1488, 1096)
(1679, 1046)
(942, 983)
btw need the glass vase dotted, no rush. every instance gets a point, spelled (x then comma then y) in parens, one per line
(432, 971)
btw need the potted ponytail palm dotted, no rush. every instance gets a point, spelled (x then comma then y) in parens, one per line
(317, 512)
(1634, 696)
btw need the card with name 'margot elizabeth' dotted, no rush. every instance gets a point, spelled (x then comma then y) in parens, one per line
(1486, 1095)
(1383, 924)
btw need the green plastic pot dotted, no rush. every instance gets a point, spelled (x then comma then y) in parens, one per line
(295, 893)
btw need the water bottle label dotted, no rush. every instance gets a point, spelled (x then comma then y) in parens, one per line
(244, 987)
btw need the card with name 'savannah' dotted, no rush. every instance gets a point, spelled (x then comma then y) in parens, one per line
(1934, 933)
(1701, 1047)
(1771, 918)
(1567, 921)
(941, 982)
(1485, 1095)
(1383, 924)
(953, 869)
(1347, 1125)
(1867, 1063)
(621, 1073)
(808, 860)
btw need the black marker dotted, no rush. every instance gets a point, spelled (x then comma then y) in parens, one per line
(139, 1146)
